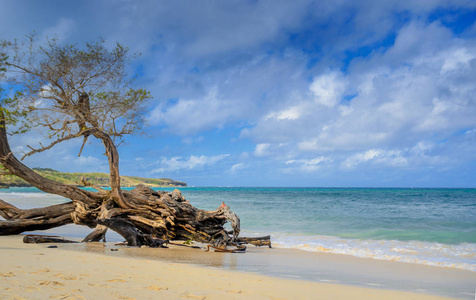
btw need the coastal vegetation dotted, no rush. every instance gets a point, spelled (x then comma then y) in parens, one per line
(71, 92)
(98, 179)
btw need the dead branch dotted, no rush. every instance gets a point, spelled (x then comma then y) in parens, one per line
(44, 148)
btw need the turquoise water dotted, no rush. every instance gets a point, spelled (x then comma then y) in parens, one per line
(426, 226)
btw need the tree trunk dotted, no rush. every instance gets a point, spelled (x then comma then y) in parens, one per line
(113, 159)
(142, 216)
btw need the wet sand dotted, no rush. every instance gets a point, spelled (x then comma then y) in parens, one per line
(92, 271)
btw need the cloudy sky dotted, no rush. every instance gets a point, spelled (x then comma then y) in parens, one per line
(282, 93)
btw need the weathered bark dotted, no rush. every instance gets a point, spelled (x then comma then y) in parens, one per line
(257, 241)
(22, 225)
(21, 220)
(113, 159)
(40, 239)
(142, 216)
(130, 233)
(159, 216)
(10, 212)
(99, 232)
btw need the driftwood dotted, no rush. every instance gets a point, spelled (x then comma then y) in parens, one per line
(142, 216)
(157, 216)
(41, 239)
(134, 238)
(257, 241)
(237, 249)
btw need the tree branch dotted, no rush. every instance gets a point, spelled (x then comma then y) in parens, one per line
(10, 212)
(44, 148)
(87, 183)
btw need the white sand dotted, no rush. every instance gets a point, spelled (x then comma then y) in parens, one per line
(29, 271)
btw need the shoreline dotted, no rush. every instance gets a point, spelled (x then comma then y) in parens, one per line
(344, 270)
(82, 271)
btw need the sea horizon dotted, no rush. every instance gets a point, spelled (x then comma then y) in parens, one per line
(277, 186)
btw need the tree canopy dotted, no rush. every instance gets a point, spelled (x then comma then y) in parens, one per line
(70, 91)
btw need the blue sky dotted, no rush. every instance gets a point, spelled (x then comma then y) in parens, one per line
(282, 93)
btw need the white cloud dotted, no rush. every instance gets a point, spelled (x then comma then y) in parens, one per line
(362, 157)
(418, 89)
(457, 60)
(328, 88)
(261, 149)
(246, 90)
(291, 113)
(237, 167)
(389, 158)
(194, 115)
(298, 80)
(422, 147)
(310, 165)
(179, 163)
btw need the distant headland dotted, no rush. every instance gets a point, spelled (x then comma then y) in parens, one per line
(98, 179)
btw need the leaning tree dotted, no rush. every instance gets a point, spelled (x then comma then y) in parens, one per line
(72, 92)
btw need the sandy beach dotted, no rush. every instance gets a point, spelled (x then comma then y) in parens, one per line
(34, 271)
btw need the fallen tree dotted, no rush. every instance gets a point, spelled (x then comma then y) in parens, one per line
(149, 218)
(82, 93)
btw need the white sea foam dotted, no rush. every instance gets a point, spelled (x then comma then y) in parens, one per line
(25, 200)
(461, 256)
(26, 195)
(376, 223)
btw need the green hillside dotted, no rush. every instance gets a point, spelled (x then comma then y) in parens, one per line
(99, 179)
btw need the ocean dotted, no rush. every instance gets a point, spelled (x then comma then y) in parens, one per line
(423, 226)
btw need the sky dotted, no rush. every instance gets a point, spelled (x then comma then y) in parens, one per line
(281, 93)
